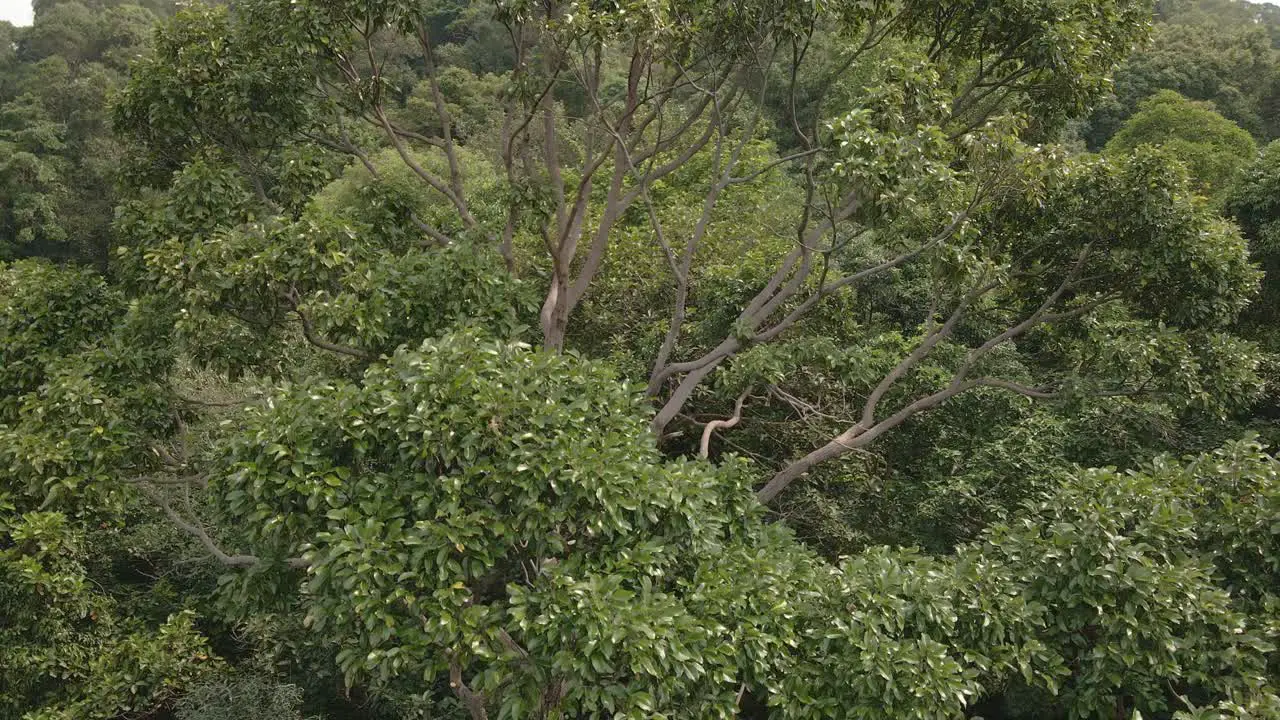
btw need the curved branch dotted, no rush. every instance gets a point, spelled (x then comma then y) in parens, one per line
(705, 448)
(197, 532)
(309, 332)
(474, 701)
(868, 428)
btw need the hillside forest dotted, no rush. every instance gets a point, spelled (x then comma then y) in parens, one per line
(568, 359)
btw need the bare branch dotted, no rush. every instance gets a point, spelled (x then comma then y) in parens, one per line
(474, 701)
(826, 290)
(921, 351)
(197, 532)
(1019, 388)
(855, 437)
(770, 166)
(867, 430)
(201, 481)
(705, 448)
(442, 112)
(437, 183)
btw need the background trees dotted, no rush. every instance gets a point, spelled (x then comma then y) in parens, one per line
(1214, 149)
(57, 157)
(1219, 52)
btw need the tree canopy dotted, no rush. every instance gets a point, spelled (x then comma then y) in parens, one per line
(1214, 149)
(770, 359)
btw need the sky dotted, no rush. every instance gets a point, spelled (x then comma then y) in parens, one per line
(18, 12)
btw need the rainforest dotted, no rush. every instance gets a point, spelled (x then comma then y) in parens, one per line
(569, 359)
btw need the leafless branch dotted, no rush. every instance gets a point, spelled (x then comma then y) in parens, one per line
(474, 701)
(193, 529)
(704, 449)
(868, 429)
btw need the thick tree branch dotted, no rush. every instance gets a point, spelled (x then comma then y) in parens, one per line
(472, 700)
(867, 430)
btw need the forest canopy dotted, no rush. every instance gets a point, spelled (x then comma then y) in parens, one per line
(672, 359)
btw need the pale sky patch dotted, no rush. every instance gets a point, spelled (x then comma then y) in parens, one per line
(17, 12)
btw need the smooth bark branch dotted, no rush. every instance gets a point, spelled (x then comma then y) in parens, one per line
(436, 182)
(350, 148)
(474, 701)
(704, 449)
(783, 285)
(395, 136)
(773, 166)
(566, 291)
(868, 429)
(309, 331)
(909, 363)
(312, 337)
(825, 290)
(192, 528)
(683, 272)
(442, 112)
(854, 438)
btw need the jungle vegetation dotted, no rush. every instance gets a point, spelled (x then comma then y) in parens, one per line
(640, 359)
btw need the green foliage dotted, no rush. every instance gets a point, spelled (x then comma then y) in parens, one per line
(307, 364)
(81, 384)
(67, 648)
(472, 101)
(354, 263)
(47, 314)
(470, 489)
(1217, 51)
(207, 81)
(1215, 150)
(1065, 50)
(1255, 202)
(1114, 556)
(57, 159)
(240, 697)
(494, 516)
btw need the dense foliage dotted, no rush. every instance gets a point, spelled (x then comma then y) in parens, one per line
(678, 359)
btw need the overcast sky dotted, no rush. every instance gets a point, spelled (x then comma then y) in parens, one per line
(18, 12)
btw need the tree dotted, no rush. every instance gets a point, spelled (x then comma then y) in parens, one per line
(1215, 150)
(57, 159)
(479, 512)
(1215, 51)
(916, 163)
(1253, 202)
(69, 650)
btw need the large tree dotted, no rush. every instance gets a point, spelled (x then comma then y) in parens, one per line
(901, 149)
(489, 529)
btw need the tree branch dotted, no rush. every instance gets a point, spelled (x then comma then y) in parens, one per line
(705, 448)
(473, 700)
(867, 430)
(197, 532)
(309, 332)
